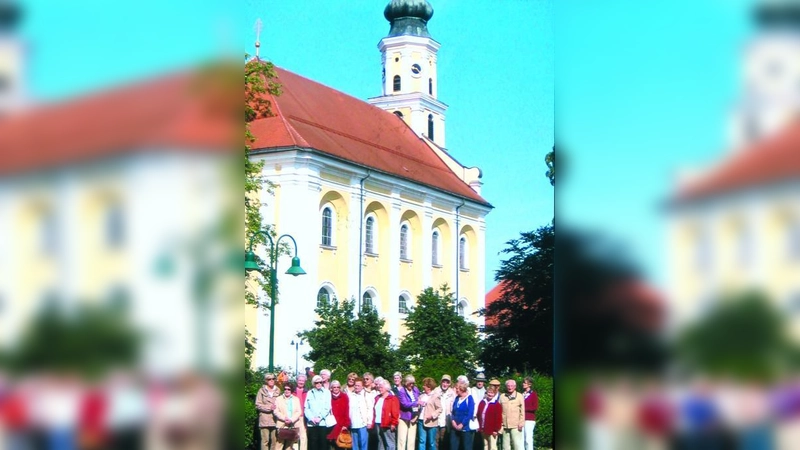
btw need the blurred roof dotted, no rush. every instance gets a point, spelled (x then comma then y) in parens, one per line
(175, 112)
(770, 161)
(309, 115)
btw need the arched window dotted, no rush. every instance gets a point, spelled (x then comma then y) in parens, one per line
(404, 241)
(366, 301)
(430, 86)
(397, 84)
(462, 253)
(323, 296)
(327, 226)
(398, 114)
(114, 226)
(402, 305)
(430, 126)
(435, 248)
(462, 308)
(369, 235)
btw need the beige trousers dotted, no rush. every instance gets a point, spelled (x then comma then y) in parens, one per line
(489, 442)
(269, 438)
(406, 434)
(512, 435)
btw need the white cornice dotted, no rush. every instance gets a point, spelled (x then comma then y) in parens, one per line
(409, 101)
(401, 41)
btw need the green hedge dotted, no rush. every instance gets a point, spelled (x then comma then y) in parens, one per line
(543, 385)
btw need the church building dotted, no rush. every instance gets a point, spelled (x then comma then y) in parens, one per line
(379, 207)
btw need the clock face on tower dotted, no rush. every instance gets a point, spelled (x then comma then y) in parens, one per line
(416, 69)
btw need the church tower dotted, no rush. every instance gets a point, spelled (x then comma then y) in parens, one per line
(11, 59)
(408, 56)
(771, 74)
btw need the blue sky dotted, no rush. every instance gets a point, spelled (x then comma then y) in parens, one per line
(643, 88)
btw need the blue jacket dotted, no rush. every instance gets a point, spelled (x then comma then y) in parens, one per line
(318, 404)
(464, 412)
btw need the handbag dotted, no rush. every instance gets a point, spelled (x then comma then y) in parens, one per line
(288, 434)
(344, 440)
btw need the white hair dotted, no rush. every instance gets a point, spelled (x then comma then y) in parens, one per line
(335, 383)
(378, 381)
(463, 379)
(410, 378)
(302, 376)
(325, 372)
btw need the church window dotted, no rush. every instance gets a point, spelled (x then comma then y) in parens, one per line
(398, 114)
(366, 301)
(369, 232)
(402, 305)
(430, 86)
(323, 297)
(397, 83)
(462, 253)
(435, 248)
(404, 242)
(430, 126)
(327, 227)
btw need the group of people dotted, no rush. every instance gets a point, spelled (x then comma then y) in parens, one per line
(373, 413)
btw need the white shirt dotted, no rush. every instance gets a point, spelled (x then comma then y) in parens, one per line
(379, 410)
(359, 410)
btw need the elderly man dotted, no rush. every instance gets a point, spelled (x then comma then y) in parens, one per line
(265, 404)
(478, 392)
(513, 416)
(447, 394)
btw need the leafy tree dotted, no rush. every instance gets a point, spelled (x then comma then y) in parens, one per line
(520, 323)
(438, 338)
(742, 336)
(344, 343)
(550, 160)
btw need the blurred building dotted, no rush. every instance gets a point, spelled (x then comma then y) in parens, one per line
(736, 225)
(379, 207)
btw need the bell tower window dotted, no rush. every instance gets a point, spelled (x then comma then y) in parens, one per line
(397, 83)
(430, 126)
(430, 86)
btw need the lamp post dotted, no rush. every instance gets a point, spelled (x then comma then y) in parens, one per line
(251, 264)
(297, 345)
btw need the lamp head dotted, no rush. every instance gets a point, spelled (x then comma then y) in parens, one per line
(296, 270)
(250, 261)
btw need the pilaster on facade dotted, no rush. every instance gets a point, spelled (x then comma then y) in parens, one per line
(427, 246)
(395, 212)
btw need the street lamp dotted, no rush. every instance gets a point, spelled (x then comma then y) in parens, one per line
(296, 356)
(251, 264)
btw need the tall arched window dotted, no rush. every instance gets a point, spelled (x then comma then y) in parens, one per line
(462, 253)
(397, 84)
(366, 301)
(327, 226)
(430, 86)
(402, 307)
(430, 126)
(435, 248)
(323, 296)
(369, 235)
(404, 241)
(462, 308)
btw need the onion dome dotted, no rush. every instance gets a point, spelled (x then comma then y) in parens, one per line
(408, 17)
(783, 14)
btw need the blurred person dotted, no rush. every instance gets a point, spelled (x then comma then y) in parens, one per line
(265, 404)
(289, 414)
(479, 390)
(753, 414)
(326, 378)
(463, 410)
(621, 411)
(447, 394)
(92, 432)
(360, 415)
(409, 415)
(462, 379)
(700, 414)
(14, 418)
(371, 392)
(531, 403)
(656, 417)
(397, 378)
(283, 377)
(301, 391)
(340, 408)
(513, 416)
(319, 419)
(351, 382)
(57, 403)
(428, 425)
(386, 415)
(309, 373)
(490, 418)
(593, 403)
(127, 411)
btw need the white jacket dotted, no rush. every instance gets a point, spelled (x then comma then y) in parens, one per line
(360, 411)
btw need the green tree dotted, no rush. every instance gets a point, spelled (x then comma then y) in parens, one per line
(438, 339)
(520, 323)
(742, 336)
(344, 343)
(550, 160)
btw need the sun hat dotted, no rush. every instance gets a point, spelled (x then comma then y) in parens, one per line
(446, 377)
(480, 377)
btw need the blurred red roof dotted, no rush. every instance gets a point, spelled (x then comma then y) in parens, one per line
(773, 160)
(309, 115)
(171, 112)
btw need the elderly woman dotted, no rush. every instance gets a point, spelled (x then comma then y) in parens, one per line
(430, 402)
(461, 434)
(288, 414)
(319, 419)
(408, 395)
(490, 418)
(386, 415)
(340, 407)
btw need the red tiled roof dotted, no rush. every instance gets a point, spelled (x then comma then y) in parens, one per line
(311, 115)
(772, 160)
(166, 112)
(490, 298)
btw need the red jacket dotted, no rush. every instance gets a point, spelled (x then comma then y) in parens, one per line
(531, 405)
(390, 414)
(492, 421)
(340, 408)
